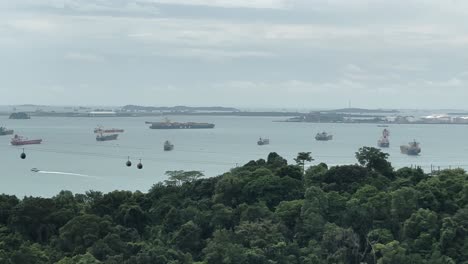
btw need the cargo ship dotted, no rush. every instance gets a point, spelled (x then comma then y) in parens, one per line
(324, 136)
(412, 149)
(263, 141)
(4, 131)
(100, 129)
(167, 124)
(102, 137)
(383, 142)
(20, 115)
(168, 146)
(19, 141)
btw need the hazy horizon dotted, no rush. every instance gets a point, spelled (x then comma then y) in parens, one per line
(296, 54)
(247, 108)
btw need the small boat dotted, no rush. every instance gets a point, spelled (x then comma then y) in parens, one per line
(101, 130)
(412, 149)
(168, 146)
(263, 141)
(4, 131)
(19, 141)
(382, 125)
(35, 170)
(383, 142)
(324, 136)
(102, 137)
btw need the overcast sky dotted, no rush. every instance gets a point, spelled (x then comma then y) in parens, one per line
(242, 53)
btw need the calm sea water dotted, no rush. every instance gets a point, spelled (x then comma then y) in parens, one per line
(73, 160)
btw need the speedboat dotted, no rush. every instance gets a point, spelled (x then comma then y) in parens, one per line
(35, 170)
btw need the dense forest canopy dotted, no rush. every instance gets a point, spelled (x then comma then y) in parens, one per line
(263, 212)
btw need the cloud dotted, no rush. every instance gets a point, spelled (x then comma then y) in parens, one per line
(268, 4)
(215, 54)
(83, 57)
(291, 88)
(33, 25)
(84, 7)
(327, 50)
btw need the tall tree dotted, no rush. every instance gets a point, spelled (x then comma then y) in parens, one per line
(302, 158)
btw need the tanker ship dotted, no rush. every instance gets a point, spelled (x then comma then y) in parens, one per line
(19, 141)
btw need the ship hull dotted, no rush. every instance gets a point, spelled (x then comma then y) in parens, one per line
(108, 131)
(410, 151)
(324, 138)
(181, 126)
(107, 137)
(6, 132)
(26, 142)
(383, 145)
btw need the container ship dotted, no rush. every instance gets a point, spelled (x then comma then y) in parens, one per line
(110, 130)
(19, 141)
(102, 137)
(176, 125)
(4, 131)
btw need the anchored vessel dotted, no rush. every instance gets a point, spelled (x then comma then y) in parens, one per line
(324, 136)
(102, 137)
(383, 142)
(167, 124)
(168, 146)
(19, 115)
(18, 141)
(100, 129)
(412, 148)
(263, 141)
(4, 131)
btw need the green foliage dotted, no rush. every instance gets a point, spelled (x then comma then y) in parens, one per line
(289, 212)
(302, 158)
(80, 259)
(375, 159)
(263, 212)
(180, 177)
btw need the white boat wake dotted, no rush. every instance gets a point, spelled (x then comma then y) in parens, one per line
(69, 174)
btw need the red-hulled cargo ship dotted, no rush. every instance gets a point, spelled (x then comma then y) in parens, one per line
(18, 141)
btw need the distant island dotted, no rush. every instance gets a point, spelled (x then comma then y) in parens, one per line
(363, 111)
(19, 115)
(344, 115)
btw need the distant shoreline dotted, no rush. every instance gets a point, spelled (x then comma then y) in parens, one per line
(292, 117)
